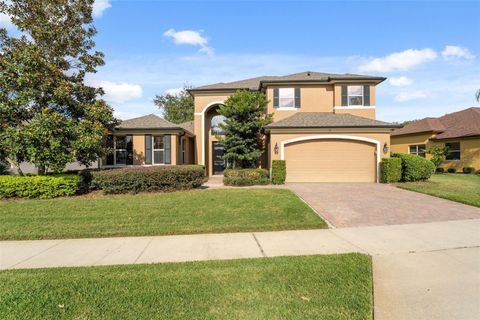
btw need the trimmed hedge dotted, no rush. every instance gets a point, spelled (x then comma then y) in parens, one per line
(468, 170)
(279, 171)
(440, 170)
(452, 170)
(138, 179)
(245, 177)
(41, 187)
(390, 170)
(415, 168)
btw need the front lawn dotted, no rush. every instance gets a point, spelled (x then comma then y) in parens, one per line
(332, 287)
(199, 211)
(464, 188)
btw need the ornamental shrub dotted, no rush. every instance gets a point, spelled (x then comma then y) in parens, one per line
(390, 170)
(41, 187)
(153, 178)
(414, 168)
(245, 177)
(440, 170)
(279, 171)
(452, 170)
(468, 170)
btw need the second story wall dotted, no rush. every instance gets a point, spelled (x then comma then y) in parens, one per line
(313, 98)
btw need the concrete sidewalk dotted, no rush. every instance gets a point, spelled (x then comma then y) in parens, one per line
(420, 271)
(377, 240)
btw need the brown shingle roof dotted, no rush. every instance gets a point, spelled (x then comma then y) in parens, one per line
(188, 126)
(256, 83)
(328, 120)
(150, 121)
(465, 123)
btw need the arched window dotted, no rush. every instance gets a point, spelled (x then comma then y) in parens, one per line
(216, 121)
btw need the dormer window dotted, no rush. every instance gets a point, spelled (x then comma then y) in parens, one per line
(355, 95)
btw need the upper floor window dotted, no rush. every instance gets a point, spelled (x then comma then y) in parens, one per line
(453, 151)
(215, 124)
(355, 95)
(418, 150)
(286, 98)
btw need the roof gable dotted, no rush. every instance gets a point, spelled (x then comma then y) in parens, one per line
(150, 121)
(463, 123)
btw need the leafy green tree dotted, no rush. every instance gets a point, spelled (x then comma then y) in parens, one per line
(438, 154)
(177, 108)
(246, 115)
(42, 75)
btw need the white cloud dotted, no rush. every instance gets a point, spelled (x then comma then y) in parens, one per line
(400, 61)
(174, 91)
(412, 95)
(190, 37)
(400, 81)
(456, 52)
(99, 6)
(119, 92)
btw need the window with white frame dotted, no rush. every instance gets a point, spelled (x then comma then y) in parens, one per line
(418, 149)
(453, 150)
(355, 95)
(286, 98)
(158, 149)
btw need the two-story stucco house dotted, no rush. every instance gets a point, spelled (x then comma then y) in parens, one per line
(324, 126)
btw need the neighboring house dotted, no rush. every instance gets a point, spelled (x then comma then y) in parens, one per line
(324, 125)
(459, 131)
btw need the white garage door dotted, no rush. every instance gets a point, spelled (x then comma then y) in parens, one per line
(330, 161)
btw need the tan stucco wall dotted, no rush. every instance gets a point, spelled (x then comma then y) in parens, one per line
(313, 98)
(366, 113)
(469, 149)
(401, 144)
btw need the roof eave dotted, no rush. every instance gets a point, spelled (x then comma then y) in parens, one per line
(332, 127)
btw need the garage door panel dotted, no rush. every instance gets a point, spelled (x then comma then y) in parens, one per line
(330, 161)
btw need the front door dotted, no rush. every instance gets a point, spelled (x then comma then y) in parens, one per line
(218, 162)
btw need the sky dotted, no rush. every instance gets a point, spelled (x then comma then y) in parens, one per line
(429, 51)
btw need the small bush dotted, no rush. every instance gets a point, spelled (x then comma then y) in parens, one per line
(415, 168)
(245, 177)
(468, 170)
(279, 171)
(440, 170)
(390, 170)
(41, 187)
(452, 170)
(138, 179)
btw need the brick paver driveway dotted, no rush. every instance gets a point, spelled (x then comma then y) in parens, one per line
(370, 204)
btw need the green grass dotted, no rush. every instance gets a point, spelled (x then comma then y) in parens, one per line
(332, 287)
(200, 211)
(464, 188)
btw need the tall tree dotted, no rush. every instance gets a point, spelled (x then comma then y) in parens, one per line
(246, 115)
(42, 75)
(177, 108)
(477, 95)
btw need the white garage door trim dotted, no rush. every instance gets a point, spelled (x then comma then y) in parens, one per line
(334, 136)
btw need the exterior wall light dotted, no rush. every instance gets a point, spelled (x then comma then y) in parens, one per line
(275, 149)
(385, 148)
